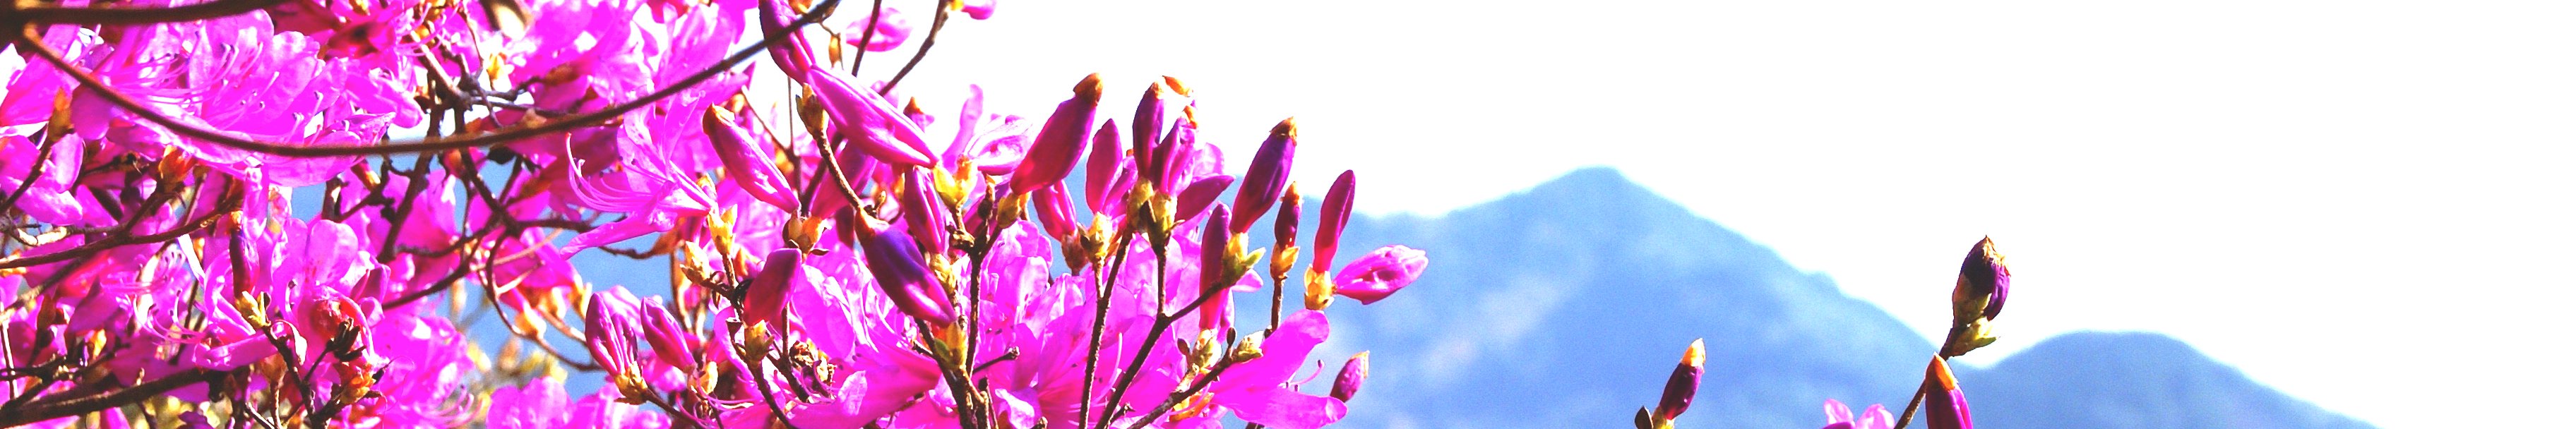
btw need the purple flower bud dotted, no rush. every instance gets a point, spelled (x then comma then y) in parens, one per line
(898, 268)
(1380, 273)
(746, 163)
(609, 328)
(671, 341)
(1268, 176)
(792, 55)
(1060, 141)
(1329, 224)
(1354, 372)
(1214, 259)
(1168, 173)
(1947, 407)
(1055, 212)
(1283, 226)
(1685, 382)
(1106, 160)
(1199, 195)
(891, 30)
(764, 299)
(1152, 118)
(1983, 283)
(924, 212)
(869, 121)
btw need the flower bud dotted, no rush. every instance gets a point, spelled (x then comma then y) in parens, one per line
(1215, 259)
(925, 212)
(671, 342)
(1060, 141)
(1381, 273)
(1983, 282)
(1283, 226)
(1100, 189)
(1684, 383)
(908, 281)
(765, 297)
(1945, 407)
(1354, 372)
(1268, 176)
(1197, 197)
(1149, 123)
(792, 55)
(1329, 224)
(745, 162)
(1055, 212)
(609, 328)
(978, 9)
(870, 122)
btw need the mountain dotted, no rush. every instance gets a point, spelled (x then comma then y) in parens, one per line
(2130, 380)
(1567, 305)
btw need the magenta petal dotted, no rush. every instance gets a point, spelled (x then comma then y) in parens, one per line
(1105, 161)
(1283, 408)
(1836, 412)
(891, 31)
(1875, 418)
(869, 121)
(766, 299)
(1281, 354)
(1055, 211)
(1335, 217)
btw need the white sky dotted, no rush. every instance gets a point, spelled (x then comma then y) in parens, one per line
(2363, 203)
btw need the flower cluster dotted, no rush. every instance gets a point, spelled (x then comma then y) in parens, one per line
(1978, 296)
(840, 257)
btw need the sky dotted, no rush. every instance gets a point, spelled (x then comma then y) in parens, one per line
(2365, 204)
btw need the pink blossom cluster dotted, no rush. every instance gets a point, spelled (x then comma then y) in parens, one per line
(839, 256)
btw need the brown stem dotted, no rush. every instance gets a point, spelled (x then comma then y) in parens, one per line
(936, 21)
(121, 15)
(58, 407)
(1099, 322)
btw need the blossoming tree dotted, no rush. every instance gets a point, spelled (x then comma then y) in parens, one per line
(839, 257)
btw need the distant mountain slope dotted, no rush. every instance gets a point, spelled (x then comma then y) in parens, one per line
(1566, 306)
(2130, 380)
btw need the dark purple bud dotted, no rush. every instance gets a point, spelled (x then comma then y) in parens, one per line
(1106, 159)
(764, 299)
(1354, 372)
(1684, 383)
(1329, 224)
(924, 212)
(1060, 141)
(1983, 283)
(1283, 226)
(671, 341)
(1215, 260)
(1179, 144)
(1055, 211)
(1199, 195)
(745, 162)
(869, 121)
(1268, 176)
(1945, 407)
(1150, 122)
(909, 282)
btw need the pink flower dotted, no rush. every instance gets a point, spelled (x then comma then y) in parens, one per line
(1268, 177)
(1060, 141)
(1380, 273)
(1257, 390)
(891, 30)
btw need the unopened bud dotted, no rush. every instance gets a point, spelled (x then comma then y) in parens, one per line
(1945, 407)
(1684, 383)
(1983, 283)
(1354, 372)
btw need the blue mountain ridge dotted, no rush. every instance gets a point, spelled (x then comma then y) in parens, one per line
(1567, 305)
